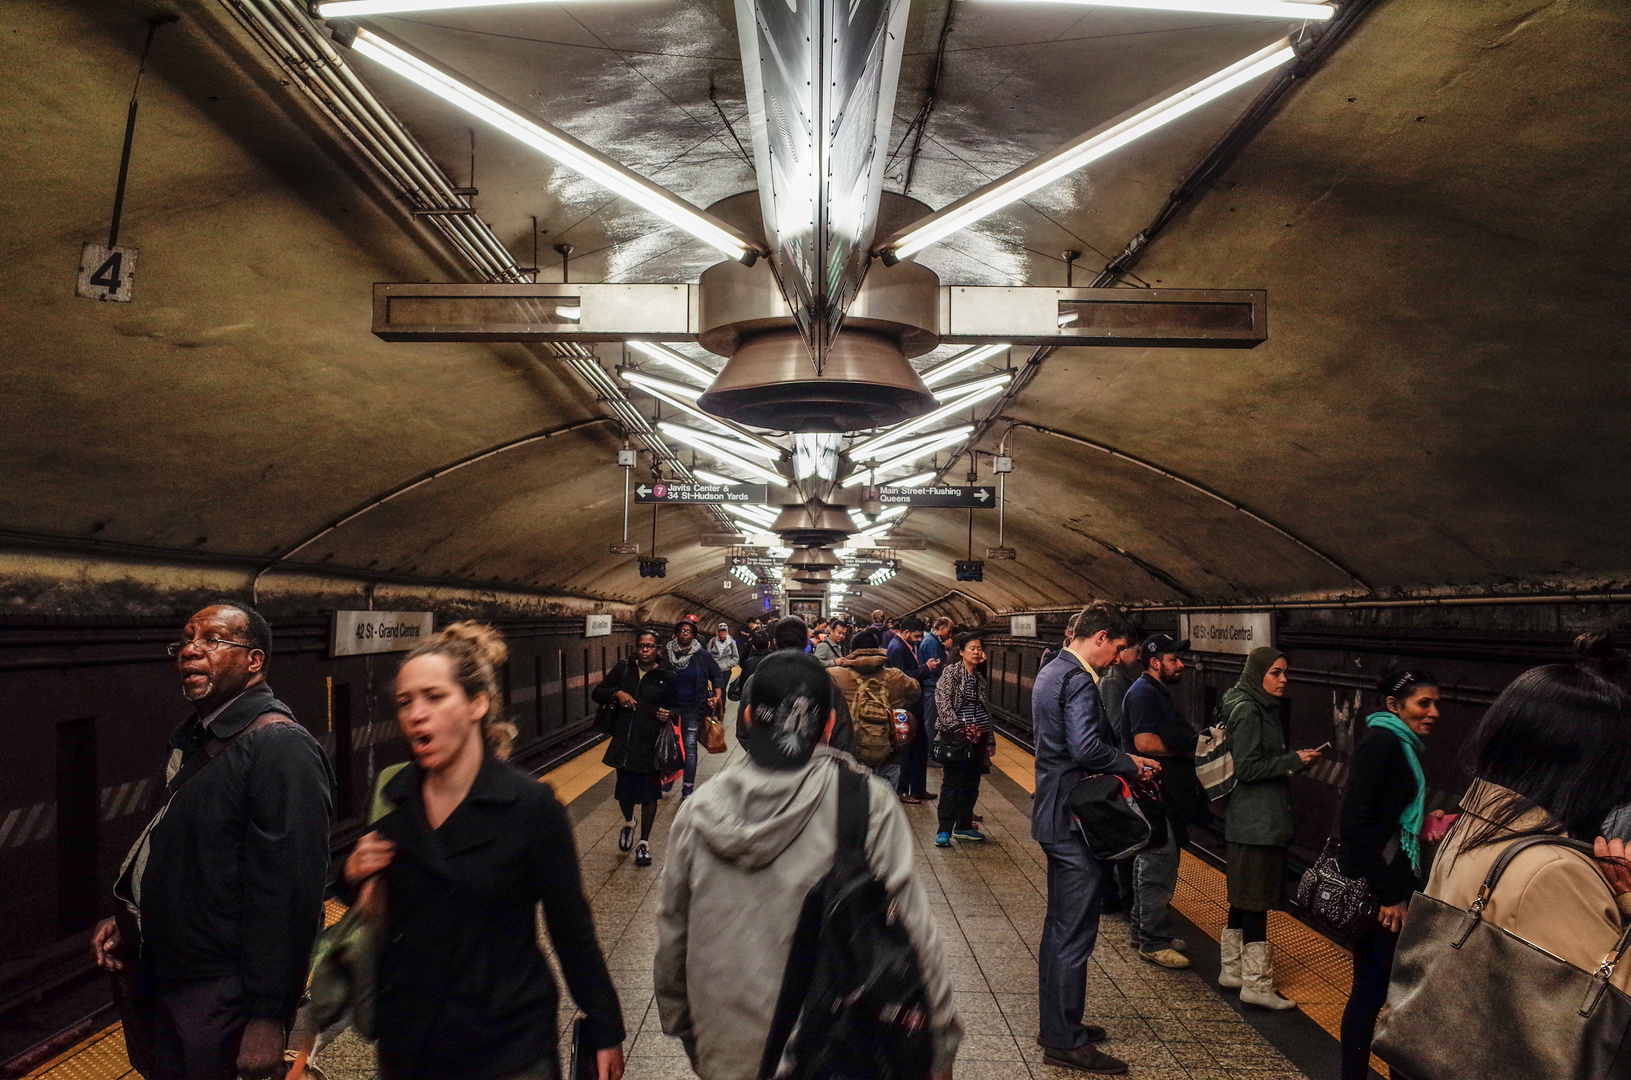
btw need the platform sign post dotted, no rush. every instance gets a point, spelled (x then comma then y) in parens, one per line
(934, 495)
(105, 273)
(1237, 632)
(687, 491)
(359, 633)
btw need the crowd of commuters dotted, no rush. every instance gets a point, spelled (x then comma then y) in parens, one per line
(220, 900)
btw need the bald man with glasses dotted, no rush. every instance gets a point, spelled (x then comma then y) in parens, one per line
(221, 898)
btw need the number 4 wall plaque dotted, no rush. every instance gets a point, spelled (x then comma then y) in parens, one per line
(105, 272)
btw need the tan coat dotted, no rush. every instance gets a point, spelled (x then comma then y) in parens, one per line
(1552, 897)
(903, 689)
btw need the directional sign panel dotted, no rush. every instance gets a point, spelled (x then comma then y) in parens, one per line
(757, 562)
(691, 492)
(937, 495)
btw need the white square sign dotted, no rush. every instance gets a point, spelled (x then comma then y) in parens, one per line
(105, 272)
(1237, 632)
(597, 625)
(1022, 625)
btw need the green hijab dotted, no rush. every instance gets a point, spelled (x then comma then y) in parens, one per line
(1251, 676)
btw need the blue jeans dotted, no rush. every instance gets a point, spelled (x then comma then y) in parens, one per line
(1069, 932)
(1155, 879)
(889, 774)
(690, 725)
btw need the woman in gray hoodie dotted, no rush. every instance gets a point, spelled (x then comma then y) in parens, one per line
(744, 853)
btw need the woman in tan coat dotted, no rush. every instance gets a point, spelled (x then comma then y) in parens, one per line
(1552, 755)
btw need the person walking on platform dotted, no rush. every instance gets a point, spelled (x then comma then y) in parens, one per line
(870, 693)
(641, 698)
(1157, 731)
(1257, 825)
(221, 897)
(913, 785)
(963, 739)
(468, 850)
(723, 648)
(1383, 808)
(743, 856)
(698, 685)
(1073, 740)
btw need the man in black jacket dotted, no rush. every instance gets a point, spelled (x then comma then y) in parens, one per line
(221, 897)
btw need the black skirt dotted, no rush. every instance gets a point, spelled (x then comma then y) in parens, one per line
(638, 787)
(1255, 875)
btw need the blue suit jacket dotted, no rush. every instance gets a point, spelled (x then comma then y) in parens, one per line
(1070, 744)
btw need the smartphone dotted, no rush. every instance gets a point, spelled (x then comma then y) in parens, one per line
(1322, 748)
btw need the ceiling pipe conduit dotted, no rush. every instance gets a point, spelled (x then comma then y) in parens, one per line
(1482, 600)
(300, 48)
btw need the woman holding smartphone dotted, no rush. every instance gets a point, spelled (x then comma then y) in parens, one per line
(468, 851)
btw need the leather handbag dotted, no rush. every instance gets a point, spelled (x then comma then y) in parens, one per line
(713, 735)
(1469, 999)
(1342, 903)
(1111, 820)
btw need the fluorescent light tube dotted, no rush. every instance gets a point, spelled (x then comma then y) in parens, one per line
(651, 382)
(729, 445)
(859, 518)
(664, 355)
(963, 360)
(949, 393)
(1267, 9)
(936, 438)
(681, 397)
(907, 427)
(351, 9)
(687, 435)
(1089, 148)
(745, 513)
(714, 478)
(547, 140)
(892, 512)
(913, 481)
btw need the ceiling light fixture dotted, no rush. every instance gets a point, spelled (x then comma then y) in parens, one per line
(963, 360)
(680, 396)
(905, 452)
(689, 436)
(1074, 155)
(901, 430)
(1267, 9)
(351, 9)
(914, 481)
(714, 478)
(547, 140)
(892, 512)
(664, 355)
(729, 445)
(949, 393)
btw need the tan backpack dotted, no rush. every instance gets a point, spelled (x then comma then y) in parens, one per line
(872, 722)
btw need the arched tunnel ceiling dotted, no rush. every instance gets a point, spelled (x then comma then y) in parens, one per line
(1440, 216)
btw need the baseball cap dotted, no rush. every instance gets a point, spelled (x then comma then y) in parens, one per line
(1162, 645)
(723, 626)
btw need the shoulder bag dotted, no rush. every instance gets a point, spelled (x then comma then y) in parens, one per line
(1340, 902)
(346, 959)
(1114, 820)
(1215, 758)
(1469, 999)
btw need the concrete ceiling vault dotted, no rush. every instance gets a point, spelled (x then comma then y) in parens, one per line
(1441, 216)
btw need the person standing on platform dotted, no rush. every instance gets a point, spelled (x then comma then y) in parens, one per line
(698, 686)
(913, 785)
(222, 894)
(869, 693)
(1257, 825)
(832, 650)
(1114, 681)
(723, 648)
(638, 690)
(1073, 740)
(468, 850)
(963, 739)
(1053, 651)
(1157, 731)
(1383, 808)
(743, 856)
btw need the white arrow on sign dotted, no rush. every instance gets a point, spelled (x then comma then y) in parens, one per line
(642, 491)
(982, 495)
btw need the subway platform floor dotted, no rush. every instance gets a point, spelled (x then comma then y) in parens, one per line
(989, 898)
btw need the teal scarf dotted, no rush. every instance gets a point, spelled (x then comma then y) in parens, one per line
(1410, 821)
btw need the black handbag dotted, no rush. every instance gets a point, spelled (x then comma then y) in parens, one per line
(1109, 816)
(583, 1064)
(1342, 903)
(1469, 999)
(669, 755)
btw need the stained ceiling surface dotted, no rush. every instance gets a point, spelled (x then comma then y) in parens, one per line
(1439, 214)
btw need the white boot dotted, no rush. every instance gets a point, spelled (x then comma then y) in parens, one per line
(1257, 979)
(1229, 973)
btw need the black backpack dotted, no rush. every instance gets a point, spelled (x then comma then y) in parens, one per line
(853, 1002)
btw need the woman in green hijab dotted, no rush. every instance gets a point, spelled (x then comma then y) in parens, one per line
(1257, 825)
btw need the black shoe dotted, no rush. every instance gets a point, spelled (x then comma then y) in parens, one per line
(1094, 1034)
(642, 854)
(625, 838)
(1086, 1059)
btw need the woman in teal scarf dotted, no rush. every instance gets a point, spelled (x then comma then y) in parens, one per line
(1257, 824)
(1382, 826)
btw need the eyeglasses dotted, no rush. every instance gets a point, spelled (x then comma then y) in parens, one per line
(208, 644)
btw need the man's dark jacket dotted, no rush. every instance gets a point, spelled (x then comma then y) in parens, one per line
(464, 990)
(1070, 744)
(236, 866)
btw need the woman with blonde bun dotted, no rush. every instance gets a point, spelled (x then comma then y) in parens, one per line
(467, 848)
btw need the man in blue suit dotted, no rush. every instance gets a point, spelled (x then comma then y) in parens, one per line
(1074, 739)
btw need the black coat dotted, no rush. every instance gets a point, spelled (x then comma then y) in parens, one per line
(1380, 786)
(465, 992)
(634, 731)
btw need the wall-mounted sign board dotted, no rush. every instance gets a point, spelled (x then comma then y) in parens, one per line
(597, 625)
(1227, 632)
(1022, 625)
(105, 273)
(358, 633)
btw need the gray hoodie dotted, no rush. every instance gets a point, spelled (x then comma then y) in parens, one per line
(744, 852)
